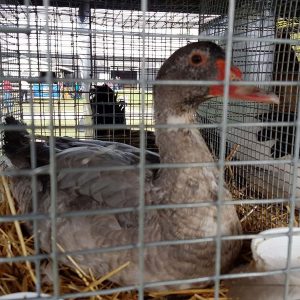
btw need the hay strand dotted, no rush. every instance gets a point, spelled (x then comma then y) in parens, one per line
(107, 276)
(79, 271)
(17, 226)
(193, 294)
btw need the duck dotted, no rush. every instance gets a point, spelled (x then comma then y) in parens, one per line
(107, 109)
(110, 188)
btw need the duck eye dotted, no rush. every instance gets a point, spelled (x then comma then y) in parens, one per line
(196, 59)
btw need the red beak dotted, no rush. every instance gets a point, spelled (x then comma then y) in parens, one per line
(247, 93)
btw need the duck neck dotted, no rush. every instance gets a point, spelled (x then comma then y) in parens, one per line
(183, 145)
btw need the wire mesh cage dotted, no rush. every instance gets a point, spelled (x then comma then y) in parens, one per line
(262, 62)
(82, 75)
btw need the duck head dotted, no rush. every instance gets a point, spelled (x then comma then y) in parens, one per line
(201, 61)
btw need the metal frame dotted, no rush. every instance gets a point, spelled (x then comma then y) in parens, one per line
(229, 40)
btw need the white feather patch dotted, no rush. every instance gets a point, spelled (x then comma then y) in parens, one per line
(208, 173)
(176, 120)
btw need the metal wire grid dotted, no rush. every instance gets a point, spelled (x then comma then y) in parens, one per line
(111, 48)
(260, 62)
(25, 56)
(256, 45)
(120, 54)
(12, 61)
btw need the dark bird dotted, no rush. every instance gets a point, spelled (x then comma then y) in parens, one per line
(284, 136)
(42, 146)
(105, 189)
(107, 109)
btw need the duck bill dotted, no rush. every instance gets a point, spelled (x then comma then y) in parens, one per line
(242, 93)
(252, 93)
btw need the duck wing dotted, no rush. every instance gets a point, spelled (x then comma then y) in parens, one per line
(62, 143)
(107, 188)
(91, 190)
(89, 176)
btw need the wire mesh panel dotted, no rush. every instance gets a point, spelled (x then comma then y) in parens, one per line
(94, 218)
(261, 61)
(10, 62)
(101, 44)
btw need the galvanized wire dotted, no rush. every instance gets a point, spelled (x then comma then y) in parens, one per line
(227, 30)
(52, 165)
(221, 164)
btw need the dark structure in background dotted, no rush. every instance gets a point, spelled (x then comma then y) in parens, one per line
(283, 135)
(124, 75)
(106, 109)
(286, 68)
